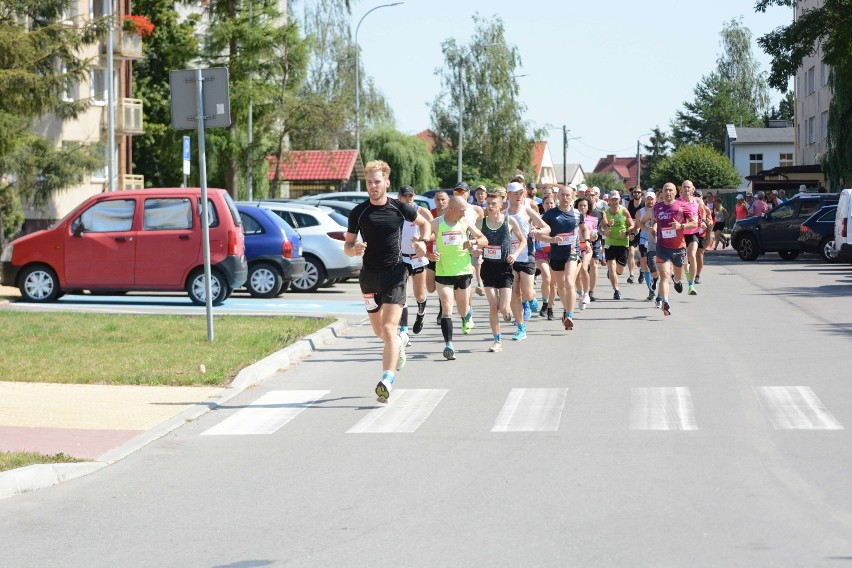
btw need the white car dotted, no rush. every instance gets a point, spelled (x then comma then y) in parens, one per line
(359, 196)
(842, 229)
(321, 230)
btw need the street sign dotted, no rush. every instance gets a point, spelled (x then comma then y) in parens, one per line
(186, 155)
(217, 104)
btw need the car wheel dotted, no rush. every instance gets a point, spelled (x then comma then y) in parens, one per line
(39, 284)
(747, 248)
(312, 278)
(788, 254)
(264, 281)
(284, 287)
(826, 250)
(218, 287)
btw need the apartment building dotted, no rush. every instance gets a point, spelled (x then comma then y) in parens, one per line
(813, 97)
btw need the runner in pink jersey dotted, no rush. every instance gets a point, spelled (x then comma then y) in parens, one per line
(673, 218)
(695, 209)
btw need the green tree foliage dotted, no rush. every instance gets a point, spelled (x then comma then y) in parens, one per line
(786, 109)
(496, 142)
(657, 148)
(408, 156)
(39, 60)
(707, 168)
(605, 181)
(735, 92)
(837, 162)
(158, 154)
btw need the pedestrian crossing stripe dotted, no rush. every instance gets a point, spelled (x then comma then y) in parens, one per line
(795, 408)
(531, 410)
(267, 414)
(661, 408)
(410, 408)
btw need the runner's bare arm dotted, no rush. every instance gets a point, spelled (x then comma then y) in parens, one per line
(478, 238)
(537, 221)
(352, 248)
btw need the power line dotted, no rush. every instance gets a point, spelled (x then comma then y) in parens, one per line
(606, 151)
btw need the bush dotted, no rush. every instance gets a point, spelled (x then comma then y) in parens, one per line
(707, 168)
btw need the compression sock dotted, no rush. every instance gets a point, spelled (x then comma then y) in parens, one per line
(498, 337)
(447, 328)
(571, 315)
(403, 320)
(468, 315)
(421, 308)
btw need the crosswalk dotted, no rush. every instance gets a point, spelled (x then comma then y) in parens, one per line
(526, 410)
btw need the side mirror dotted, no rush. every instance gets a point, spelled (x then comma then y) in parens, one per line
(78, 230)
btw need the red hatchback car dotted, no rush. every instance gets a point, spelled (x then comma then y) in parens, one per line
(144, 240)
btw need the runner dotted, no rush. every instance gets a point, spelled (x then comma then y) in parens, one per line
(691, 234)
(453, 269)
(705, 221)
(383, 277)
(442, 200)
(416, 266)
(542, 263)
(498, 255)
(720, 217)
(672, 217)
(473, 215)
(567, 227)
(648, 245)
(634, 204)
(587, 251)
(617, 223)
(531, 225)
(593, 195)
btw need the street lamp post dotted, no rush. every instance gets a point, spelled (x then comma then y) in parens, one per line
(639, 160)
(357, 80)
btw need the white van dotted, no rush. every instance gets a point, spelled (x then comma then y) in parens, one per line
(843, 227)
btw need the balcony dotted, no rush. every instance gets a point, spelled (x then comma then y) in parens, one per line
(128, 117)
(131, 181)
(126, 44)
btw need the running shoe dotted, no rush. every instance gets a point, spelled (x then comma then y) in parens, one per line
(698, 280)
(641, 277)
(651, 295)
(630, 279)
(616, 295)
(527, 311)
(592, 297)
(657, 302)
(496, 347)
(567, 322)
(692, 291)
(467, 325)
(549, 314)
(383, 390)
(404, 338)
(400, 362)
(586, 301)
(543, 311)
(449, 352)
(418, 324)
(666, 309)
(533, 305)
(520, 335)
(678, 286)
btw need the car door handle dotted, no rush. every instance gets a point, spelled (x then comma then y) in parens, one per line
(184, 237)
(120, 239)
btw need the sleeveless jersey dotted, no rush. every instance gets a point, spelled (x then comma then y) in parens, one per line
(499, 241)
(455, 260)
(619, 226)
(523, 220)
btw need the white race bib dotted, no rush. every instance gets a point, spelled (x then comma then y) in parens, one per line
(370, 302)
(492, 252)
(564, 239)
(452, 238)
(417, 261)
(669, 233)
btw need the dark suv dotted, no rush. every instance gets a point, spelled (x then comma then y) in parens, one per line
(779, 228)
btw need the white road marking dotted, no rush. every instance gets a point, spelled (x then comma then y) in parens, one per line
(531, 410)
(795, 408)
(661, 408)
(406, 411)
(267, 414)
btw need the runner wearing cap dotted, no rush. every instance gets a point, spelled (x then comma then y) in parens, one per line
(383, 277)
(740, 209)
(672, 217)
(646, 225)
(416, 266)
(617, 224)
(587, 250)
(531, 225)
(479, 195)
(705, 221)
(473, 215)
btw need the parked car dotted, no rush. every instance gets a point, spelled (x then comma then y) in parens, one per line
(341, 207)
(273, 252)
(778, 229)
(321, 230)
(143, 240)
(842, 220)
(817, 233)
(359, 196)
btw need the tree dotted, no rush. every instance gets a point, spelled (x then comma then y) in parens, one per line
(496, 140)
(39, 59)
(408, 156)
(786, 109)
(605, 181)
(837, 161)
(707, 168)
(735, 92)
(657, 148)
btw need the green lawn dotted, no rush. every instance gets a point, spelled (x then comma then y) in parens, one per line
(14, 460)
(139, 349)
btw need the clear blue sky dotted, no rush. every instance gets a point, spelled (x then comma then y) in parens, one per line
(610, 71)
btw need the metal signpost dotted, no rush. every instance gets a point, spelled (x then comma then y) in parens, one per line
(200, 99)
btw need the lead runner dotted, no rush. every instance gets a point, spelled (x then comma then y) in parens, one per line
(383, 277)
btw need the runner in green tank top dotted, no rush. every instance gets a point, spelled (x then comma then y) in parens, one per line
(617, 223)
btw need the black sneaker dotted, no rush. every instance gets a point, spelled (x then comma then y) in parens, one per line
(592, 297)
(630, 279)
(438, 321)
(666, 309)
(543, 311)
(617, 295)
(651, 296)
(698, 280)
(678, 286)
(418, 324)
(641, 277)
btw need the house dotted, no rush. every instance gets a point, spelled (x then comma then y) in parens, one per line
(813, 99)
(788, 178)
(309, 172)
(572, 172)
(542, 163)
(626, 169)
(753, 150)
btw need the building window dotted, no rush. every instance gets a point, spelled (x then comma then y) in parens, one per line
(824, 74)
(70, 92)
(811, 78)
(97, 85)
(785, 160)
(755, 164)
(823, 124)
(812, 130)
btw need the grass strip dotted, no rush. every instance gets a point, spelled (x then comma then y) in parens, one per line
(121, 349)
(14, 460)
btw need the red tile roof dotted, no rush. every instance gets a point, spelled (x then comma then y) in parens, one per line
(318, 165)
(431, 139)
(625, 168)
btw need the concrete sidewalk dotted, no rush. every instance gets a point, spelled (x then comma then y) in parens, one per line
(105, 423)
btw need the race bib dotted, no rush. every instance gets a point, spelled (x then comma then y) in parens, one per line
(564, 239)
(370, 302)
(452, 238)
(418, 261)
(669, 233)
(492, 252)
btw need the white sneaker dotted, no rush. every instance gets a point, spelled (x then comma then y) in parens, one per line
(383, 390)
(496, 347)
(400, 363)
(586, 301)
(404, 338)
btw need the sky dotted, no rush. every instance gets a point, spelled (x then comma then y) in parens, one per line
(608, 70)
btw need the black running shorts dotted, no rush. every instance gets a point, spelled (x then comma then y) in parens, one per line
(383, 286)
(527, 267)
(457, 282)
(617, 253)
(497, 275)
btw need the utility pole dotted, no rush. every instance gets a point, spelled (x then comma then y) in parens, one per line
(564, 154)
(461, 120)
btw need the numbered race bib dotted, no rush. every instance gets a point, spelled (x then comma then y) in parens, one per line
(452, 238)
(564, 239)
(492, 252)
(418, 261)
(370, 302)
(669, 233)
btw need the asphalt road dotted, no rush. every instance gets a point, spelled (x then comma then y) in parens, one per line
(716, 437)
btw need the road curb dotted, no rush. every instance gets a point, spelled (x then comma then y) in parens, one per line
(38, 476)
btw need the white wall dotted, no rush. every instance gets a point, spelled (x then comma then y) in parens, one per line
(771, 157)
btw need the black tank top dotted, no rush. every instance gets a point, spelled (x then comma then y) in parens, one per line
(499, 236)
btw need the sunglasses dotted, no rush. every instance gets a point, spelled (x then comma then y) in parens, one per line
(459, 191)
